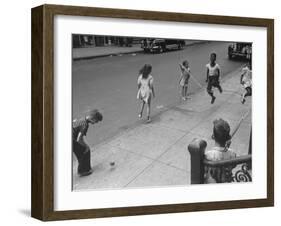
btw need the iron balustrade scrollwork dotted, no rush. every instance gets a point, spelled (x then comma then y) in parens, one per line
(203, 171)
(223, 171)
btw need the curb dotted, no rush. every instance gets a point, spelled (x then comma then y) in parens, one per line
(106, 55)
(126, 52)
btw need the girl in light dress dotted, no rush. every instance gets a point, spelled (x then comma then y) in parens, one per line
(185, 75)
(145, 89)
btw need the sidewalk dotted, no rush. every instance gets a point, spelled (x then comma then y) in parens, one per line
(102, 51)
(156, 153)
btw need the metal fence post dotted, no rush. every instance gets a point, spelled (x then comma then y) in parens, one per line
(196, 149)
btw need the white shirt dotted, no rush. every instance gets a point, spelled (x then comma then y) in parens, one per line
(247, 77)
(213, 71)
(219, 153)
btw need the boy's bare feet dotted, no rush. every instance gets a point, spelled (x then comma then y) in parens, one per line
(213, 99)
(148, 119)
(243, 99)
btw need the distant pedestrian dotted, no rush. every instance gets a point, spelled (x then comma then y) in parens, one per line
(185, 75)
(221, 151)
(79, 146)
(246, 82)
(213, 76)
(145, 89)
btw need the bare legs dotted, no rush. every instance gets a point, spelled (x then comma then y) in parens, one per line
(148, 108)
(142, 106)
(184, 92)
(248, 92)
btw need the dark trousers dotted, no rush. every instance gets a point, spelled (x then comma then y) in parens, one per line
(249, 91)
(83, 156)
(213, 82)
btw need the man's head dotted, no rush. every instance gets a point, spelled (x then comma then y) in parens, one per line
(221, 132)
(94, 116)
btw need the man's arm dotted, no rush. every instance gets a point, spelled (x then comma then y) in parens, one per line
(207, 79)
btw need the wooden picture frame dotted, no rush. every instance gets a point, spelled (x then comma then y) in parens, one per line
(43, 111)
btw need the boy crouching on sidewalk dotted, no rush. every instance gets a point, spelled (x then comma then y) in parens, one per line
(80, 148)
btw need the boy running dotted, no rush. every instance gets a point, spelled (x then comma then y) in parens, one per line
(213, 76)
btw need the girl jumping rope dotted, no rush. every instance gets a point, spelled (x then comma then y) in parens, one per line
(185, 75)
(246, 81)
(145, 89)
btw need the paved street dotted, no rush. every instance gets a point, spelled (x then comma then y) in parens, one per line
(153, 154)
(109, 84)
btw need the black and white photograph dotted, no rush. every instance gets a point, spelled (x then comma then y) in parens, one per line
(154, 112)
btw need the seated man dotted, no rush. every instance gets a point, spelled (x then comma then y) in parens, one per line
(221, 151)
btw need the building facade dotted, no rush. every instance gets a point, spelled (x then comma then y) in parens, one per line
(79, 41)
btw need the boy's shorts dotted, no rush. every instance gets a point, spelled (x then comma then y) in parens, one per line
(213, 82)
(249, 90)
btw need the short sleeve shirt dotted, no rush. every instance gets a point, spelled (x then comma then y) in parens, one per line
(79, 126)
(247, 75)
(213, 71)
(218, 153)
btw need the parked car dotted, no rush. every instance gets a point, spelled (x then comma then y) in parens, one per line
(161, 45)
(240, 49)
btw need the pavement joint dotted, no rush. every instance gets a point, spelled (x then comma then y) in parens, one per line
(154, 160)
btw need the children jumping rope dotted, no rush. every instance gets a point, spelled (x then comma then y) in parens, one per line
(213, 76)
(145, 89)
(185, 75)
(246, 82)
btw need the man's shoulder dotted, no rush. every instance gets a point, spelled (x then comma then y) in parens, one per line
(213, 154)
(216, 154)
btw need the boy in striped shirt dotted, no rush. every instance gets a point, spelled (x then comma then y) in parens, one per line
(79, 146)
